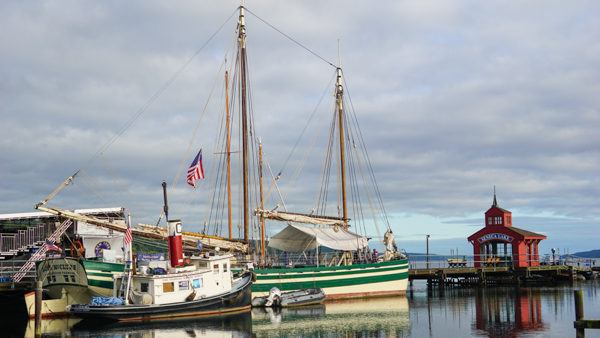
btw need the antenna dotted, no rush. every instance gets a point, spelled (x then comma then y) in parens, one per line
(339, 54)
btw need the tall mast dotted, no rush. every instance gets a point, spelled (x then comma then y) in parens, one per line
(339, 93)
(242, 53)
(262, 204)
(228, 153)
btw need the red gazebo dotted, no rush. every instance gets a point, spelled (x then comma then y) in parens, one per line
(501, 244)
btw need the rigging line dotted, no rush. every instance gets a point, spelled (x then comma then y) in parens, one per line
(322, 206)
(367, 191)
(202, 114)
(354, 168)
(368, 160)
(312, 115)
(155, 96)
(276, 186)
(322, 198)
(217, 189)
(291, 39)
(190, 143)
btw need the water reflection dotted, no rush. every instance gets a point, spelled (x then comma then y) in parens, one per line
(458, 312)
(239, 325)
(385, 317)
(506, 312)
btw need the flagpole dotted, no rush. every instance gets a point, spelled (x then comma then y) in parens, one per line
(130, 259)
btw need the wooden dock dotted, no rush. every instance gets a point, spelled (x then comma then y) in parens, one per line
(498, 275)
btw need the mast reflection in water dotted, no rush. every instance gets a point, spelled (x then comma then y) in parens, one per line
(458, 312)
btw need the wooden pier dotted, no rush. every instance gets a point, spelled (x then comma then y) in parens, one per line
(497, 275)
(580, 323)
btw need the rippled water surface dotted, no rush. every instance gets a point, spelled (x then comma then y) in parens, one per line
(485, 312)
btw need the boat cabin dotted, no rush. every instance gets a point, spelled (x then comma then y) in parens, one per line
(158, 283)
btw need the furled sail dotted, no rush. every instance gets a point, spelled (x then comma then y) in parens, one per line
(298, 238)
(301, 218)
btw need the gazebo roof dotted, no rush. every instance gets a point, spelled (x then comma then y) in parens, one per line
(527, 233)
(520, 234)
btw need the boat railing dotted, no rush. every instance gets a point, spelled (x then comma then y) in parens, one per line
(10, 267)
(21, 241)
(287, 259)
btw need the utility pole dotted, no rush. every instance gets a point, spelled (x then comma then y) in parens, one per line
(427, 250)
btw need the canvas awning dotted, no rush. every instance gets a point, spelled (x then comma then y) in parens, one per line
(298, 238)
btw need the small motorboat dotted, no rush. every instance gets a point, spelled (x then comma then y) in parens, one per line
(291, 298)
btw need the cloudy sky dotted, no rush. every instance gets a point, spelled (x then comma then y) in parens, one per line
(453, 97)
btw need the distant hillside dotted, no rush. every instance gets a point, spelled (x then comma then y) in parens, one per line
(588, 254)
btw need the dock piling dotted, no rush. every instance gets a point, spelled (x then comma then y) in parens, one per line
(38, 309)
(578, 304)
(580, 323)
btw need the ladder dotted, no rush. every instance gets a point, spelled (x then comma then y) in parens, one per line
(41, 252)
(124, 288)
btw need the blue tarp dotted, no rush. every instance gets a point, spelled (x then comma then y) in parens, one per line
(106, 301)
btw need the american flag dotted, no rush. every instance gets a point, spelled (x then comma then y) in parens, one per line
(50, 246)
(195, 172)
(128, 236)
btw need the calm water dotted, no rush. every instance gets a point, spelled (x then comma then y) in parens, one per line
(490, 312)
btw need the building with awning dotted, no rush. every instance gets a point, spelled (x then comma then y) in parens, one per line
(499, 243)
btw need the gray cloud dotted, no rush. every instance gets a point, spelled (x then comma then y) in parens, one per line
(453, 98)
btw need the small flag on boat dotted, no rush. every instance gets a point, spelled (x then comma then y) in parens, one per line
(195, 172)
(128, 235)
(50, 246)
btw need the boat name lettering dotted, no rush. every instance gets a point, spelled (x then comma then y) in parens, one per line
(494, 236)
(62, 267)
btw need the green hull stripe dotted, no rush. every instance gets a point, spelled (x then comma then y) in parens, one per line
(331, 268)
(103, 266)
(101, 274)
(328, 274)
(100, 283)
(329, 283)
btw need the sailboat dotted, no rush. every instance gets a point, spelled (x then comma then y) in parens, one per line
(341, 263)
(351, 270)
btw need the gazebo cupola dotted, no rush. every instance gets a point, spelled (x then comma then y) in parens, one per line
(497, 216)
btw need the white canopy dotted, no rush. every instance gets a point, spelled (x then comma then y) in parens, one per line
(298, 238)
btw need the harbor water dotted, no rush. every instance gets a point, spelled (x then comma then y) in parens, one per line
(454, 312)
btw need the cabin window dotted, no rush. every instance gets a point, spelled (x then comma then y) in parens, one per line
(53, 279)
(184, 285)
(144, 287)
(225, 266)
(72, 278)
(489, 220)
(216, 268)
(168, 287)
(48, 280)
(66, 278)
(197, 283)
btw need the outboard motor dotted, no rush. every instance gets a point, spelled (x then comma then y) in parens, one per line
(274, 298)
